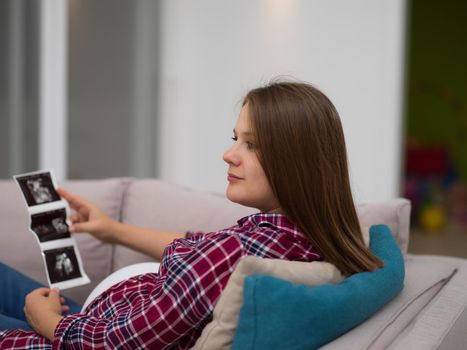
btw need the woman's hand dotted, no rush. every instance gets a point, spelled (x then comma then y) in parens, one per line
(89, 218)
(43, 309)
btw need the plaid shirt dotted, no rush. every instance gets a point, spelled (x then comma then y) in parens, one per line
(169, 309)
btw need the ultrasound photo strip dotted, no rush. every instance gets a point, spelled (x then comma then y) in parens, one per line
(48, 222)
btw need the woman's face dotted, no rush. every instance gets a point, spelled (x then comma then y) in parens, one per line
(248, 184)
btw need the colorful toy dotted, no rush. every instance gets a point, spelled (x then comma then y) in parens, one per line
(433, 218)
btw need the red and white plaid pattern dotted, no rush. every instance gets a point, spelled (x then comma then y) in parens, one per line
(169, 309)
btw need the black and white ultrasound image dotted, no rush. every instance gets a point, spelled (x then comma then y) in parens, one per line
(62, 264)
(38, 189)
(50, 225)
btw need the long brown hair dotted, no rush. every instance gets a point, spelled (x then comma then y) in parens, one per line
(302, 150)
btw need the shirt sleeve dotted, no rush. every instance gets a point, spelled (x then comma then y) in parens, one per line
(19, 339)
(189, 288)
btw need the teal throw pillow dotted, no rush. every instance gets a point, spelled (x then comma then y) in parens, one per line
(277, 314)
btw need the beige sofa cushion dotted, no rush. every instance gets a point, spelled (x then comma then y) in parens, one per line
(218, 334)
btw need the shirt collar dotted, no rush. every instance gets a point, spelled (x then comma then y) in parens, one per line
(258, 219)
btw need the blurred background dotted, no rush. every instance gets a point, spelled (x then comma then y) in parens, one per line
(152, 88)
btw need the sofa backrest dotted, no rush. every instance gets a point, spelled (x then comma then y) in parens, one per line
(147, 203)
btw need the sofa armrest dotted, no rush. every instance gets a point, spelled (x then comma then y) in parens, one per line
(442, 323)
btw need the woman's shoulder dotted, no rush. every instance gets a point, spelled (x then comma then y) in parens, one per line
(269, 223)
(268, 235)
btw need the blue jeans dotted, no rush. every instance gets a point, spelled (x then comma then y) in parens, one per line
(14, 286)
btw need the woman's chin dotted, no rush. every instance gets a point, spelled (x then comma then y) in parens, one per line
(230, 196)
(233, 196)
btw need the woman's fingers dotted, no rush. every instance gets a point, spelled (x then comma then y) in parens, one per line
(76, 202)
(65, 308)
(44, 291)
(87, 217)
(83, 227)
(70, 197)
(75, 217)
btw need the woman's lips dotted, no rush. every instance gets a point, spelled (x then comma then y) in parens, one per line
(233, 178)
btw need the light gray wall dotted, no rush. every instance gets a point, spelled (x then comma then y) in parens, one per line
(213, 52)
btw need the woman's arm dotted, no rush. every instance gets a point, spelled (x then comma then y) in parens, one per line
(89, 218)
(147, 241)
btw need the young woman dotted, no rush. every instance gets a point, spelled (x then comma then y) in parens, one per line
(288, 160)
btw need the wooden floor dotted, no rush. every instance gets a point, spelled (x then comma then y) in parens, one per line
(451, 241)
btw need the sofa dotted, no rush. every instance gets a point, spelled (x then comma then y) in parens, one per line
(429, 313)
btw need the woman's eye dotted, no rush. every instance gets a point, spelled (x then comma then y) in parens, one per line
(249, 144)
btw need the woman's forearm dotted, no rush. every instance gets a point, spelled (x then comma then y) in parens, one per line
(147, 241)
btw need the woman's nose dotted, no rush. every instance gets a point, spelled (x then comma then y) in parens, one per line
(231, 156)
